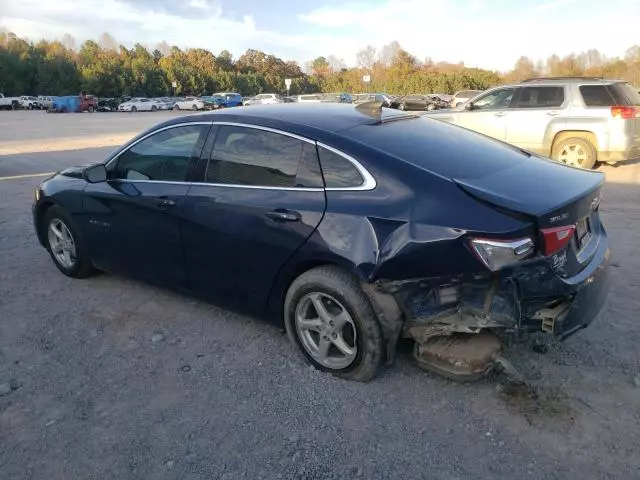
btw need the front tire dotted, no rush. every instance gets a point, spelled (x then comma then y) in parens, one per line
(90, 109)
(153, 108)
(402, 106)
(331, 320)
(431, 107)
(194, 108)
(65, 245)
(176, 108)
(576, 152)
(134, 109)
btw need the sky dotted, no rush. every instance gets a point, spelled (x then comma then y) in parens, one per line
(489, 34)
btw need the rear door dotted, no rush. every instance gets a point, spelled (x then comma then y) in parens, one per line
(260, 197)
(534, 109)
(133, 219)
(489, 112)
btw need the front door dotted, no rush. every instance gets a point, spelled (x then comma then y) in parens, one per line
(260, 199)
(488, 114)
(133, 219)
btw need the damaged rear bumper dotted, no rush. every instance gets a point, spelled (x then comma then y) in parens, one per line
(528, 298)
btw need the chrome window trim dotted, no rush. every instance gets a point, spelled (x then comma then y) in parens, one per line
(266, 129)
(260, 187)
(369, 182)
(150, 134)
(255, 187)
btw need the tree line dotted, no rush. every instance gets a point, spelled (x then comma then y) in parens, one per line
(107, 69)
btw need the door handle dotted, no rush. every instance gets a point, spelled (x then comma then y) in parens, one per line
(283, 215)
(165, 202)
(553, 113)
(500, 114)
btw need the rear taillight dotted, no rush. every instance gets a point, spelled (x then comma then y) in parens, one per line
(556, 238)
(496, 254)
(625, 113)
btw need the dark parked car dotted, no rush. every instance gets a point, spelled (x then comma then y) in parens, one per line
(349, 226)
(108, 105)
(415, 102)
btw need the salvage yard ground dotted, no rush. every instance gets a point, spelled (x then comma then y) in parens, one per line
(111, 378)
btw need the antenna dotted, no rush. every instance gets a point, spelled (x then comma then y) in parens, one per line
(372, 109)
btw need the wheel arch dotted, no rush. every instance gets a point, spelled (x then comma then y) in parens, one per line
(286, 277)
(560, 135)
(40, 213)
(385, 306)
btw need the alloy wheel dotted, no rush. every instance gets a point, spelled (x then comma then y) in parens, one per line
(573, 155)
(62, 244)
(326, 330)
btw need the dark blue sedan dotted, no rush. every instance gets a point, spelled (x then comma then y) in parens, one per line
(349, 226)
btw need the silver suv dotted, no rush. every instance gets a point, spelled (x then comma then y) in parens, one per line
(577, 121)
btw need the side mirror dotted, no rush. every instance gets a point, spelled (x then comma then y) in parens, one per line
(95, 173)
(468, 106)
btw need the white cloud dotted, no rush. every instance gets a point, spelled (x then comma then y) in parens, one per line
(478, 34)
(128, 23)
(472, 31)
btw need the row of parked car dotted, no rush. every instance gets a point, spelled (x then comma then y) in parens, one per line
(427, 102)
(419, 102)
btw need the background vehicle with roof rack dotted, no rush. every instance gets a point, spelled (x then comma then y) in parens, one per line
(574, 120)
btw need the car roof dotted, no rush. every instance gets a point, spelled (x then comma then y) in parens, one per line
(327, 117)
(565, 81)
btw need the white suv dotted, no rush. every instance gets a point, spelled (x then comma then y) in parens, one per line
(265, 99)
(577, 121)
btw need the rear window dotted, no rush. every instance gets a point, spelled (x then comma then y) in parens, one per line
(624, 94)
(439, 147)
(608, 95)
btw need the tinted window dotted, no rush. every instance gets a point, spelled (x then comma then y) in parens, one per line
(541, 97)
(495, 100)
(248, 156)
(163, 156)
(624, 94)
(439, 147)
(338, 171)
(596, 96)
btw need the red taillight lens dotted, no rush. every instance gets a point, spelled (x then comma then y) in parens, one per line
(625, 113)
(557, 238)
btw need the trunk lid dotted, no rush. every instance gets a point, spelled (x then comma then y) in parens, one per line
(555, 196)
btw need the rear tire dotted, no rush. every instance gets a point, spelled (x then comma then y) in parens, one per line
(62, 238)
(402, 106)
(153, 108)
(431, 107)
(90, 109)
(194, 108)
(575, 151)
(176, 108)
(347, 326)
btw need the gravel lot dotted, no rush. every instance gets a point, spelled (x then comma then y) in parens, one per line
(108, 378)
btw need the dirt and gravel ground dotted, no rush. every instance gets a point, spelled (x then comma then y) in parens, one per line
(109, 378)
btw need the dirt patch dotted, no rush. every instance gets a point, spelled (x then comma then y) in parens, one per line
(537, 403)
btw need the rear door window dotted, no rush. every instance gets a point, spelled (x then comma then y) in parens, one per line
(540, 97)
(259, 158)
